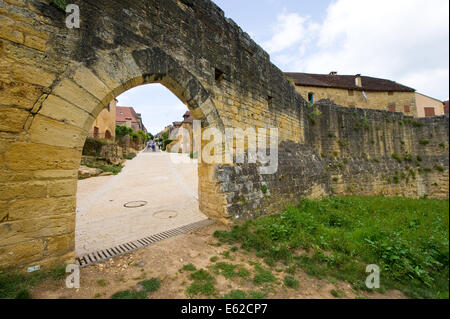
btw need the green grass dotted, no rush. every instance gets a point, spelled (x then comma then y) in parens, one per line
(230, 271)
(151, 285)
(130, 156)
(60, 4)
(407, 238)
(15, 285)
(203, 284)
(291, 282)
(263, 275)
(236, 294)
(102, 283)
(129, 294)
(337, 293)
(189, 267)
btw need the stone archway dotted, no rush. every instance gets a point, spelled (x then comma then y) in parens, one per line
(54, 81)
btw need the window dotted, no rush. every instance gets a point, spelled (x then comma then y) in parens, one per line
(407, 109)
(311, 97)
(429, 111)
(219, 75)
(350, 93)
(391, 108)
(390, 93)
(121, 112)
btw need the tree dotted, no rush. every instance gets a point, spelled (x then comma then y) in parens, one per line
(122, 130)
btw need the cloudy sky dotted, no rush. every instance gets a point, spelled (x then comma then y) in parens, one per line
(402, 40)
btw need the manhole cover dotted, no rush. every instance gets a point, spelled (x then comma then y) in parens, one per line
(165, 214)
(135, 204)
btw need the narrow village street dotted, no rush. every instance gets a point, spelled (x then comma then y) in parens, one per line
(166, 189)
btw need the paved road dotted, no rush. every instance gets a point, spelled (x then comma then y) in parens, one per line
(169, 188)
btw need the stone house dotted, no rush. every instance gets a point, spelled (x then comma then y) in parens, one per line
(357, 91)
(182, 135)
(127, 116)
(104, 126)
(428, 106)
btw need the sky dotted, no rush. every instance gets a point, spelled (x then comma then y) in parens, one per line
(406, 41)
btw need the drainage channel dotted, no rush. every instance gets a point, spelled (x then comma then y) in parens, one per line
(101, 256)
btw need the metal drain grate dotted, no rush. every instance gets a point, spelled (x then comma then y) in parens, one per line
(101, 256)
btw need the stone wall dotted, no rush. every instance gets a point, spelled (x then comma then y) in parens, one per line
(54, 81)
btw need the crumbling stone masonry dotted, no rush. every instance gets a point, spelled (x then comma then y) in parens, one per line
(54, 81)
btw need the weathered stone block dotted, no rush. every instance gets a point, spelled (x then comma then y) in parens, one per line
(87, 80)
(29, 229)
(36, 208)
(61, 110)
(70, 91)
(60, 245)
(55, 133)
(62, 188)
(35, 43)
(21, 253)
(22, 190)
(12, 120)
(29, 157)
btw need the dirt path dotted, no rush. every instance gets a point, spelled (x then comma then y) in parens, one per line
(164, 260)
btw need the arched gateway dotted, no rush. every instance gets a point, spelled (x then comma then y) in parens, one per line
(54, 81)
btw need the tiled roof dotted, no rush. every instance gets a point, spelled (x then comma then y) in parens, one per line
(126, 113)
(346, 82)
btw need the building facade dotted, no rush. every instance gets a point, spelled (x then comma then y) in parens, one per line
(104, 126)
(428, 106)
(127, 116)
(356, 91)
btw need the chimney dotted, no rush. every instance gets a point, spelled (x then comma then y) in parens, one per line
(358, 81)
(333, 73)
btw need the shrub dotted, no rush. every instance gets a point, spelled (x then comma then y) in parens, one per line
(424, 142)
(122, 130)
(397, 157)
(130, 156)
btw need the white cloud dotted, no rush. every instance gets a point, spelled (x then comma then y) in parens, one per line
(289, 30)
(403, 40)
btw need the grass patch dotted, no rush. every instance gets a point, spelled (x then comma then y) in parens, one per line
(151, 285)
(337, 293)
(263, 275)
(203, 284)
(407, 238)
(102, 283)
(230, 271)
(291, 282)
(15, 285)
(129, 294)
(189, 267)
(236, 294)
(130, 156)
